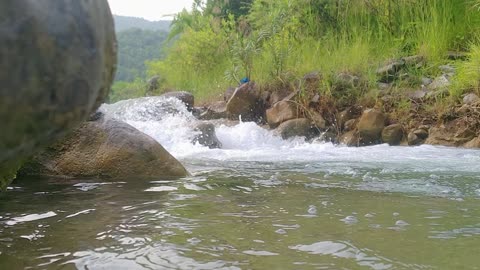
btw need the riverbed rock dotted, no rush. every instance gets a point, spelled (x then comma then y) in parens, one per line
(388, 72)
(301, 127)
(246, 103)
(440, 83)
(216, 110)
(370, 126)
(186, 97)
(455, 133)
(58, 60)
(392, 134)
(106, 148)
(207, 136)
(474, 143)
(280, 112)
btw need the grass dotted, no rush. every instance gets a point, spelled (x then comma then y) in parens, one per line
(348, 36)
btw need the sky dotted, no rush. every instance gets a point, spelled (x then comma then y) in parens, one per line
(152, 10)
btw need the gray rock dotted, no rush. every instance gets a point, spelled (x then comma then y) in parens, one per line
(301, 127)
(471, 99)
(282, 111)
(426, 81)
(392, 134)
(417, 95)
(58, 61)
(106, 148)
(414, 60)
(207, 136)
(439, 83)
(447, 69)
(388, 72)
(186, 97)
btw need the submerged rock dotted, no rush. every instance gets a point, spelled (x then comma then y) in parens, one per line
(106, 148)
(207, 136)
(58, 61)
(301, 127)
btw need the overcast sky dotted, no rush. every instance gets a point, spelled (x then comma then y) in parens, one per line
(149, 9)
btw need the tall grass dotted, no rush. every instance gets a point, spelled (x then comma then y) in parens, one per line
(330, 36)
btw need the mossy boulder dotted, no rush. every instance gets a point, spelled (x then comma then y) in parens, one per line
(109, 149)
(57, 63)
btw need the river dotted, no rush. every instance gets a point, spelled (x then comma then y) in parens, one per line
(258, 203)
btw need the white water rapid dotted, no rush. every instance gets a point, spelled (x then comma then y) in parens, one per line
(378, 167)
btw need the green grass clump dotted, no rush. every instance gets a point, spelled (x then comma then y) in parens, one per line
(467, 78)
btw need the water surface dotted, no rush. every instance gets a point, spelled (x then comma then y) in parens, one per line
(259, 203)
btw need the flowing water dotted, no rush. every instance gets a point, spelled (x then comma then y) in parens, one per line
(258, 203)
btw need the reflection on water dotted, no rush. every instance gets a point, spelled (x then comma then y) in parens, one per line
(248, 215)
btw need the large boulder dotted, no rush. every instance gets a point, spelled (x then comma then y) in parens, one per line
(246, 103)
(58, 61)
(393, 134)
(206, 136)
(282, 111)
(370, 126)
(106, 148)
(301, 127)
(186, 97)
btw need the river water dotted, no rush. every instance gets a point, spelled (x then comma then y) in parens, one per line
(258, 203)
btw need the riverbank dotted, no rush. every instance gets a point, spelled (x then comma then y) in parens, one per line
(385, 114)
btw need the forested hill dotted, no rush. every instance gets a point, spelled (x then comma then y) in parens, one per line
(135, 46)
(123, 23)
